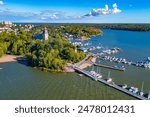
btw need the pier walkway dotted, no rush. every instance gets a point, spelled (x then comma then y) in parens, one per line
(113, 85)
(109, 67)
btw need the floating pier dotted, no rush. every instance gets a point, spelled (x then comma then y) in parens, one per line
(113, 85)
(109, 67)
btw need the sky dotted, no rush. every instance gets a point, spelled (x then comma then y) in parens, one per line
(76, 11)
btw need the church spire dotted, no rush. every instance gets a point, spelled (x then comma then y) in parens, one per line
(45, 34)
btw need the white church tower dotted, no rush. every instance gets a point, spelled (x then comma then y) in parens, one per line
(45, 34)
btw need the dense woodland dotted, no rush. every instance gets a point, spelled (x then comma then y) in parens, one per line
(130, 27)
(74, 29)
(52, 54)
(82, 30)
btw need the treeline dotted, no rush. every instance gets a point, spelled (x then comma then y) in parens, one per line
(81, 30)
(52, 54)
(57, 31)
(130, 27)
(16, 44)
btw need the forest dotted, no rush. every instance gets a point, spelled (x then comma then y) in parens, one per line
(129, 27)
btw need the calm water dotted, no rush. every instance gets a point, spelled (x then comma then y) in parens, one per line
(18, 81)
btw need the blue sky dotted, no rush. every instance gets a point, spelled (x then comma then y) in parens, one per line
(76, 11)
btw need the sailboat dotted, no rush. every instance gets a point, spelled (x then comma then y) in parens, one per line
(92, 71)
(109, 78)
(99, 74)
(141, 92)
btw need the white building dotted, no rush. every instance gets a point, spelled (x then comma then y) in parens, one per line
(45, 34)
(7, 23)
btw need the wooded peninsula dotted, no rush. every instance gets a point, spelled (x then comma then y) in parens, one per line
(51, 54)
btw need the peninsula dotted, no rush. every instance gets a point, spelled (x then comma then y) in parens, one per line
(45, 46)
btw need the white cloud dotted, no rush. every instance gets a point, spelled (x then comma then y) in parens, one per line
(1, 2)
(52, 14)
(46, 15)
(104, 11)
(115, 5)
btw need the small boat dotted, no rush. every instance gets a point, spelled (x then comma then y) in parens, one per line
(81, 75)
(120, 67)
(124, 86)
(133, 90)
(130, 90)
(141, 93)
(1, 68)
(109, 80)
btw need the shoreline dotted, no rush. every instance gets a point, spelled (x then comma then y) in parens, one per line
(87, 38)
(87, 63)
(9, 58)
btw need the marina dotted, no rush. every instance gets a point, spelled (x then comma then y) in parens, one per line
(143, 64)
(24, 82)
(104, 55)
(132, 91)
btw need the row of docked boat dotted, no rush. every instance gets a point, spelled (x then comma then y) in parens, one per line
(132, 90)
(115, 59)
(96, 75)
(81, 44)
(145, 64)
(112, 51)
(135, 90)
(95, 48)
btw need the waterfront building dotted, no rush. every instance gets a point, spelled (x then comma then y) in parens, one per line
(7, 23)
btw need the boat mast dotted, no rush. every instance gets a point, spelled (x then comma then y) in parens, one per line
(100, 70)
(108, 74)
(142, 87)
(92, 68)
(97, 70)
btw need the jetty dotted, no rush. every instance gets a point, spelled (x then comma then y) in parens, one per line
(88, 61)
(109, 67)
(113, 85)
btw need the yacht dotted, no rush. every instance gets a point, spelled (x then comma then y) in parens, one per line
(99, 76)
(133, 89)
(141, 93)
(124, 86)
(92, 72)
